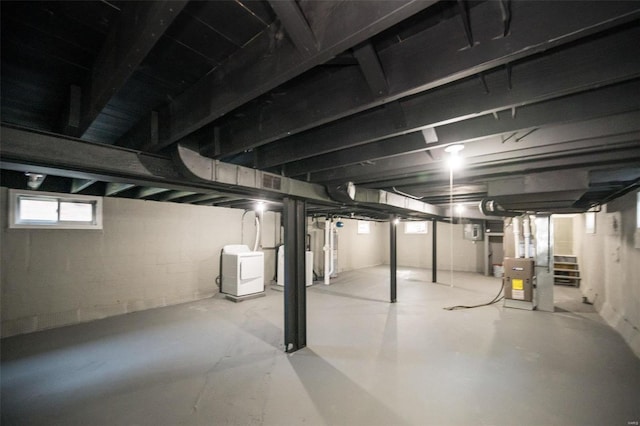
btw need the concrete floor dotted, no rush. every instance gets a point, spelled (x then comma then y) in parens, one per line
(213, 362)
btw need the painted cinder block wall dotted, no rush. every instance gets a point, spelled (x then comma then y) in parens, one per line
(355, 251)
(563, 234)
(415, 250)
(148, 254)
(610, 266)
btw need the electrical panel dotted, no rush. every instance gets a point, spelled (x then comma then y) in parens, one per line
(473, 232)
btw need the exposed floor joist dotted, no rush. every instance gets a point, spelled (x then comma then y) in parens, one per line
(579, 107)
(408, 67)
(249, 73)
(574, 70)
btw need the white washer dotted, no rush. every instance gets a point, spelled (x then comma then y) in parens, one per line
(308, 267)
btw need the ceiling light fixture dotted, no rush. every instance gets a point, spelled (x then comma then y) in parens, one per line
(454, 162)
(454, 149)
(34, 180)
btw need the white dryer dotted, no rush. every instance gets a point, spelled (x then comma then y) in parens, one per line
(242, 270)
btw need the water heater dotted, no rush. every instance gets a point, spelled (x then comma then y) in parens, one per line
(308, 267)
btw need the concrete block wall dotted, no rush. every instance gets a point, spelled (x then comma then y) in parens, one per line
(355, 250)
(563, 234)
(148, 254)
(360, 250)
(415, 250)
(610, 266)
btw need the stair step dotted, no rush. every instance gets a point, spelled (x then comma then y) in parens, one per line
(566, 270)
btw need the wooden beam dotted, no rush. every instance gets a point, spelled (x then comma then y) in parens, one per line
(371, 68)
(296, 25)
(173, 195)
(409, 66)
(586, 66)
(78, 185)
(73, 112)
(574, 108)
(581, 141)
(267, 61)
(199, 198)
(146, 130)
(114, 188)
(140, 26)
(148, 192)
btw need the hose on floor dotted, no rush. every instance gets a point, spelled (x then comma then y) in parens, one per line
(495, 300)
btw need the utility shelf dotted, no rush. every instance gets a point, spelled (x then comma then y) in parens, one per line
(566, 270)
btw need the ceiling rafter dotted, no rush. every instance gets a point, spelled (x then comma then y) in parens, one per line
(584, 70)
(148, 192)
(296, 25)
(138, 29)
(114, 188)
(371, 68)
(173, 195)
(528, 87)
(463, 6)
(608, 132)
(409, 67)
(588, 159)
(78, 185)
(265, 62)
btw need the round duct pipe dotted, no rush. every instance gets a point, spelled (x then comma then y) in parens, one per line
(490, 207)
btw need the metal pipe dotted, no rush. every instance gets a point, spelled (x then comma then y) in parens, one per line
(258, 234)
(516, 236)
(490, 207)
(332, 247)
(328, 250)
(526, 230)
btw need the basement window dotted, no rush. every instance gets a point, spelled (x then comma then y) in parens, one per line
(364, 227)
(590, 222)
(30, 209)
(415, 228)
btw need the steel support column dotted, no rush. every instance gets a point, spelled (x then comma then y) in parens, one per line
(544, 264)
(393, 261)
(295, 297)
(434, 252)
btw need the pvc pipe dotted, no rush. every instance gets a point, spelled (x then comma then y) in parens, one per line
(332, 246)
(516, 235)
(258, 234)
(526, 225)
(328, 252)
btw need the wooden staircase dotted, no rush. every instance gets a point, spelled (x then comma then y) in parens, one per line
(566, 270)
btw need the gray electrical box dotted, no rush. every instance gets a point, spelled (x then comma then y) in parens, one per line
(473, 232)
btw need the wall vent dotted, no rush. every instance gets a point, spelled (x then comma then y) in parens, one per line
(271, 182)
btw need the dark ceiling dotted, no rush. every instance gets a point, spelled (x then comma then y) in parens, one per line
(544, 95)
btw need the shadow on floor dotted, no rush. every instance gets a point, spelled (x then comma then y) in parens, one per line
(339, 399)
(350, 296)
